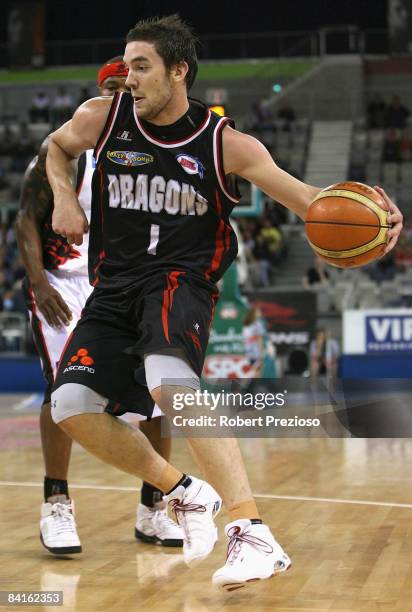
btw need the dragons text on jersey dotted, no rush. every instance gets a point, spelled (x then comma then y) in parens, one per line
(160, 203)
(155, 195)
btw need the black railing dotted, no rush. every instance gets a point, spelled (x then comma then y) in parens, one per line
(332, 40)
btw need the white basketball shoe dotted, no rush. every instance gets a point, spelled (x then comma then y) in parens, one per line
(252, 554)
(154, 526)
(58, 532)
(195, 507)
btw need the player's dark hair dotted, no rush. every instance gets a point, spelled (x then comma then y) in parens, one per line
(173, 40)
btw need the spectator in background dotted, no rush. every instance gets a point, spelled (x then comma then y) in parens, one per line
(288, 115)
(384, 268)
(324, 353)
(406, 148)
(25, 145)
(256, 255)
(273, 239)
(23, 149)
(403, 251)
(376, 112)
(357, 170)
(316, 274)
(7, 142)
(84, 95)
(3, 280)
(253, 333)
(261, 255)
(40, 108)
(10, 300)
(17, 269)
(391, 147)
(62, 107)
(275, 212)
(396, 114)
(262, 116)
(248, 241)
(4, 183)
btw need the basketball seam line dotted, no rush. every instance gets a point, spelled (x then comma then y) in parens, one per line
(346, 223)
(356, 197)
(353, 252)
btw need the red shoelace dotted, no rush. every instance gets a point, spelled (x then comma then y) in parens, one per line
(235, 535)
(179, 506)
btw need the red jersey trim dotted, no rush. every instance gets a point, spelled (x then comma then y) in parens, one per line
(222, 242)
(39, 325)
(63, 351)
(168, 294)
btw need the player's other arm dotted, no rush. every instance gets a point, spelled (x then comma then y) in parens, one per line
(247, 157)
(36, 200)
(67, 143)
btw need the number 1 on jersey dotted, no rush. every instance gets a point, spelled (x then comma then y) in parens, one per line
(154, 239)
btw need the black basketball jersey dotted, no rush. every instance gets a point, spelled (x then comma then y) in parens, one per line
(160, 205)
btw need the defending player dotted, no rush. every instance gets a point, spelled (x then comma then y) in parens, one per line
(160, 239)
(56, 288)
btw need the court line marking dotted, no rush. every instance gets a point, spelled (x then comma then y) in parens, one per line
(329, 500)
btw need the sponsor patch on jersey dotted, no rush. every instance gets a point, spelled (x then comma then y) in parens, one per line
(191, 165)
(129, 158)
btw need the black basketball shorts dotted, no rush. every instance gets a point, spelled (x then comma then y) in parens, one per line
(172, 314)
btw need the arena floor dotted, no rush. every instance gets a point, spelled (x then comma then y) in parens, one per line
(342, 509)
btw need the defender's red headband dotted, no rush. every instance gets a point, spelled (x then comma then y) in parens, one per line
(116, 69)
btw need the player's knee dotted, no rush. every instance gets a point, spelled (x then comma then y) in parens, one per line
(170, 397)
(73, 399)
(167, 374)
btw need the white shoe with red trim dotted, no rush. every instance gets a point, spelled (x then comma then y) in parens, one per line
(252, 554)
(195, 507)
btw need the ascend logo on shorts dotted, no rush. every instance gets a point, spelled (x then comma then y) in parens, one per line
(80, 361)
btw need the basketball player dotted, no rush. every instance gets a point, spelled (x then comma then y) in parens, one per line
(160, 239)
(56, 289)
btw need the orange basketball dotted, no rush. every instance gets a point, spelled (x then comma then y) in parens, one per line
(347, 224)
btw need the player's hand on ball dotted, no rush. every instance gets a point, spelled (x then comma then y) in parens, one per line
(69, 220)
(395, 219)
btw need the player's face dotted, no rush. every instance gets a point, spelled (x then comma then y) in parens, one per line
(150, 83)
(113, 84)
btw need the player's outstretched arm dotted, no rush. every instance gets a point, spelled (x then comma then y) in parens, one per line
(247, 157)
(36, 201)
(67, 143)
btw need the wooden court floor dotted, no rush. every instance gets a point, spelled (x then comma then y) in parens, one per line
(342, 508)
